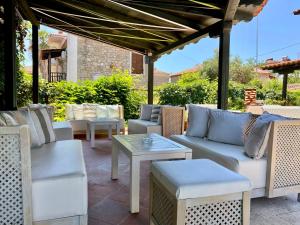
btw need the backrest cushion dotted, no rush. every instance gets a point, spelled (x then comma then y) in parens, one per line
(156, 114)
(113, 111)
(7, 119)
(43, 124)
(146, 111)
(89, 110)
(34, 137)
(227, 127)
(256, 145)
(78, 112)
(101, 111)
(69, 112)
(198, 118)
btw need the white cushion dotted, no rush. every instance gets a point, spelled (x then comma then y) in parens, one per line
(197, 121)
(78, 112)
(63, 130)
(59, 182)
(101, 111)
(230, 156)
(143, 127)
(69, 111)
(89, 110)
(198, 178)
(227, 127)
(113, 111)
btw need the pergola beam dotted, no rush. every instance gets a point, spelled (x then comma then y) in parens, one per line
(35, 64)
(27, 12)
(193, 37)
(8, 71)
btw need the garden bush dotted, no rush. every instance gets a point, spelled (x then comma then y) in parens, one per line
(115, 89)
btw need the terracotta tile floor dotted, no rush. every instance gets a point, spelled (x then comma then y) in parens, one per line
(109, 200)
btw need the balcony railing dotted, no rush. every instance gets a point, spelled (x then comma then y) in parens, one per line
(57, 77)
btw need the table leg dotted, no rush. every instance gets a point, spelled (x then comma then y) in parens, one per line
(134, 184)
(114, 161)
(188, 155)
(118, 128)
(109, 131)
(88, 133)
(92, 129)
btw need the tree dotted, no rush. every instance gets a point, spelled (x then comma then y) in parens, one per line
(210, 67)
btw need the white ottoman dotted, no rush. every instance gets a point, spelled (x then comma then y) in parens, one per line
(194, 192)
(63, 130)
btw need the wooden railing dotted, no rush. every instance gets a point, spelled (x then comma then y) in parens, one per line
(57, 77)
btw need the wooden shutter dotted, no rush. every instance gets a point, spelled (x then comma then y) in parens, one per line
(137, 63)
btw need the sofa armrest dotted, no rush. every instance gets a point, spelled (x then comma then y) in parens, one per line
(283, 174)
(63, 130)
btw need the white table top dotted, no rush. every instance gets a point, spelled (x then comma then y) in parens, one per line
(135, 146)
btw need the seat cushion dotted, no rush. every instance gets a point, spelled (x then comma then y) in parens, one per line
(63, 130)
(198, 178)
(59, 181)
(230, 156)
(143, 127)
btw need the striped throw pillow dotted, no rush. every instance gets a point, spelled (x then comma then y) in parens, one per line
(7, 119)
(155, 114)
(43, 125)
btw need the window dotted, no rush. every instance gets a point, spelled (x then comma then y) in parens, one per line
(137, 63)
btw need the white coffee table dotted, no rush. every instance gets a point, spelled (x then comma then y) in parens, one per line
(91, 125)
(133, 146)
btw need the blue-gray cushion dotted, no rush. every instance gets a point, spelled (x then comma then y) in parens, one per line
(146, 111)
(256, 143)
(228, 127)
(197, 121)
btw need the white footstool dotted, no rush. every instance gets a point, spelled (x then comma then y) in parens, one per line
(63, 130)
(194, 192)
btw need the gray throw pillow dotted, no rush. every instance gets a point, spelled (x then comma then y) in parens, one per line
(257, 142)
(146, 111)
(197, 121)
(228, 127)
(155, 114)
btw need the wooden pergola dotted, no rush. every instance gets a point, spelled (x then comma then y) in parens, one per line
(148, 27)
(284, 67)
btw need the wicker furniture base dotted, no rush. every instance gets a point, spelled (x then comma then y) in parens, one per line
(166, 209)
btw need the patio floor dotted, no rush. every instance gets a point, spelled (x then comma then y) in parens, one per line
(109, 200)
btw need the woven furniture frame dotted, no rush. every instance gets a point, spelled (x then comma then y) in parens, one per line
(172, 120)
(165, 209)
(15, 176)
(283, 176)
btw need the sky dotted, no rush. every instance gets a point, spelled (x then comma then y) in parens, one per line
(278, 28)
(278, 36)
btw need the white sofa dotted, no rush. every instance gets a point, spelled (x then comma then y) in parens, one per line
(275, 174)
(78, 115)
(170, 122)
(56, 174)
(289, 111)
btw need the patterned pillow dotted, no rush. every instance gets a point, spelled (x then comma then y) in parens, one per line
(7, 119)
(34, 137)
(89, 111)
(155, 114)
(43, 125)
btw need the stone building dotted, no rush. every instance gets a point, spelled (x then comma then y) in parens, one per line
(88, 59)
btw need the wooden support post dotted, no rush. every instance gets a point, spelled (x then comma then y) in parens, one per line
(224, 59)
(150, 70)
(284, 87)
(49, 67)
(8, 93)
(35, 64)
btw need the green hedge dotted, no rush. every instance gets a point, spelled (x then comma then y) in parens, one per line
(115, 89)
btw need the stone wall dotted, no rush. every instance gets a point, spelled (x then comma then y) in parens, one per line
(96, 58)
